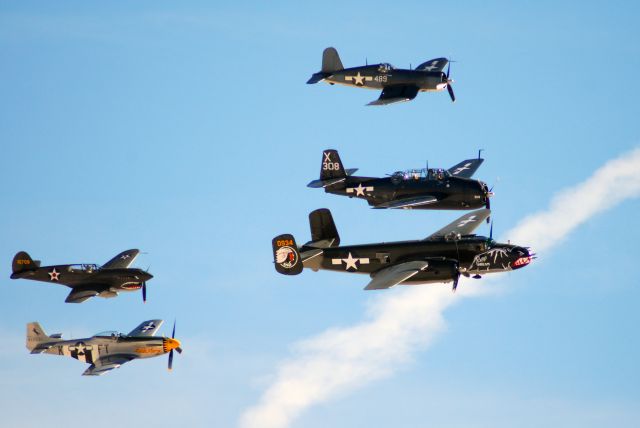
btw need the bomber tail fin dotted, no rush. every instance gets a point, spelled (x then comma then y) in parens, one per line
(22, 262)
(323, 230)
(37, 337)
(286, 255)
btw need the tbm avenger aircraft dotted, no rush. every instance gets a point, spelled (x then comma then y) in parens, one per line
(441, 257)
(107, 350)
(397, 84)
(435, 189)
(86, 280)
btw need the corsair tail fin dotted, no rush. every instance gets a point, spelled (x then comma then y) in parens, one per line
(23, 262)
(36, 338)
(286, 255)
(323, 230)
(331, 61)
(330, 64)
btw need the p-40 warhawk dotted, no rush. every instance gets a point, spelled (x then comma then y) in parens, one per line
(107, 350)
(435, 189)
(86, 280)
(397, 84)
(441, 257)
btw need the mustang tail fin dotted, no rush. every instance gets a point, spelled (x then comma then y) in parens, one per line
(323, 230)
(23, 262)
(36, 336)
(286, 255)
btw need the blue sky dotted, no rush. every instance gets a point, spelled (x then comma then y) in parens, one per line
(186, 130)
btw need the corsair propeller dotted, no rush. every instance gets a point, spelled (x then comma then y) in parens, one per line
(449, 82)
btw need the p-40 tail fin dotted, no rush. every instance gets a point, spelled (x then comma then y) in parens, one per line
(23, 262)
(286, 255)
(323, 230)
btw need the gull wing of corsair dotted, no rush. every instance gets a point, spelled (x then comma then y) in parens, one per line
(442, 257)
(86, 280)
(397, 85)
(107, 350)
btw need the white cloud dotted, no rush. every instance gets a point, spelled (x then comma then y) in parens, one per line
(403, 321)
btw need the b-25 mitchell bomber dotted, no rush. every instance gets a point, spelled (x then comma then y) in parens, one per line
(86, 280)
(440, 258)
(435, 188)
(397, 84)
(107, 350)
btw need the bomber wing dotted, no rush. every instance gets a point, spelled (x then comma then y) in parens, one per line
(436, 64)
(464, 225)
(122, 260)
(394, 275)
(106, 364)
(146, 328)
(466, 168)
(409, 202)
(395, 94)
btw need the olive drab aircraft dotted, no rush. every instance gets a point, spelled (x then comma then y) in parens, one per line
(435, 188)
(107, 350)
(397, 84)
(86, 280)
(439, 258)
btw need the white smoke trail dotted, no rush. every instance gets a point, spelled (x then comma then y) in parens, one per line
(398, 324)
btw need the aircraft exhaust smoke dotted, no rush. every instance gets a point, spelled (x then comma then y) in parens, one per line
(401, 323)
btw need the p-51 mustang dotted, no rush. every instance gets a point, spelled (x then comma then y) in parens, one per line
(397, 84)
(441, 257)
(435, 189)
(86, 280)
(107, 350)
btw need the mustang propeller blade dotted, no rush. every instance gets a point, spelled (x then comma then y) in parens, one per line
(173, 335)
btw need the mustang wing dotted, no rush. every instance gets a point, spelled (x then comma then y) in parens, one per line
(394, 275)
(122, 260)
(464, 225)
(466, 168)
(105, 364)
(437, 64)
(147, 328)
(409, 202)
(395, 94)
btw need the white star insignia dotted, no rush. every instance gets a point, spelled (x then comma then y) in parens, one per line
(350, 262)
(53, 275)
(359, 190)
(358, 79)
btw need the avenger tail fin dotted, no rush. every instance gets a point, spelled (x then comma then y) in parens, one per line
(286, 256)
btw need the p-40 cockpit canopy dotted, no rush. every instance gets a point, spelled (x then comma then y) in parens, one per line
(84, 267)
